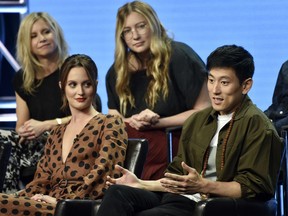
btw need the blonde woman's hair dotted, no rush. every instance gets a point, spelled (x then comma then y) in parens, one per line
(28, 61)
(157, 65)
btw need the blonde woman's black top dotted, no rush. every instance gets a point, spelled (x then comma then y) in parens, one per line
(186, 72)
(45, 103)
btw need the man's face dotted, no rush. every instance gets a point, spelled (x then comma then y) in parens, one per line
(225, 91)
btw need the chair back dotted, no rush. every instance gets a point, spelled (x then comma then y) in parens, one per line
(135, 155)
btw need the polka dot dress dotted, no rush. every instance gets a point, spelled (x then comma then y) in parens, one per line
(96, 150)
(11, 205)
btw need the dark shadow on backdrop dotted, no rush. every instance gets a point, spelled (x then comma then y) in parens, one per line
(9, 25)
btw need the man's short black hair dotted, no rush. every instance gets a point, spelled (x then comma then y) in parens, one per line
(235, 57)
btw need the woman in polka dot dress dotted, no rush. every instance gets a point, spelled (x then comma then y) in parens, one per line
(79, 154)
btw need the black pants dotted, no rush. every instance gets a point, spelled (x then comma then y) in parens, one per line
(122, 200)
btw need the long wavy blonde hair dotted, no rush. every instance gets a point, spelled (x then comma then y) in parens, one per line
(157, 65)
(29, 63)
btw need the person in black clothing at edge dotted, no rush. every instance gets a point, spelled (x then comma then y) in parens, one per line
(278, 110)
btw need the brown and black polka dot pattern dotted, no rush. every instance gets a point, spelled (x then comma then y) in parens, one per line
(11, 205)
(100, 145)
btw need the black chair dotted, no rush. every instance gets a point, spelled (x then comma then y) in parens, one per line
(226, 206)
(5, 150)
(135, 158)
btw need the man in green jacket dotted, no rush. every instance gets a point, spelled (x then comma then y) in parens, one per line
(230, 149)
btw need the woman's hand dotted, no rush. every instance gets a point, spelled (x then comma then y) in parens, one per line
(31, 129)
(149, 116)
(36, 128)
(134, 122)
(144, 120)
(24, 133)
(184, 184)
(127, 178)
(44, 198)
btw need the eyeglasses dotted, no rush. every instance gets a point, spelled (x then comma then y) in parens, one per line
(140, 29)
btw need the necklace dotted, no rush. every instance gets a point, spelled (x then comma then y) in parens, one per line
(207, 153)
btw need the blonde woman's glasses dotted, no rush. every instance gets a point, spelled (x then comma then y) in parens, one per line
(140, 29)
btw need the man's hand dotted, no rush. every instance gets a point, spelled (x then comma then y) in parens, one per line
(184, 184)
(127, 178)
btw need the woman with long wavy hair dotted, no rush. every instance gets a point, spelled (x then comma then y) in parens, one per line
(41, 49)
(154, 83)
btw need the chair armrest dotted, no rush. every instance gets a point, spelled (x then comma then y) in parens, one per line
(76, 207)
(172, 129)
(235, 207)
(136, 155)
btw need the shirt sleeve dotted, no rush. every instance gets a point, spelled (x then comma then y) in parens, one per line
(18, 84)
(187, 73)
(259, 162)
(278, 109)
(113, 99)
(281, 93)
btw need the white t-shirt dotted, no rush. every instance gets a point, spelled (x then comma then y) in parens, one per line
(211, 166)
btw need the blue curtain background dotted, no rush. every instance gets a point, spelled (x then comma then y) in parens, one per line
(261, 26)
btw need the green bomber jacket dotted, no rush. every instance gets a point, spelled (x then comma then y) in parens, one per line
(253, 151)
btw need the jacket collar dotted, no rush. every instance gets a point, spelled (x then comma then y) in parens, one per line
(246, 102)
